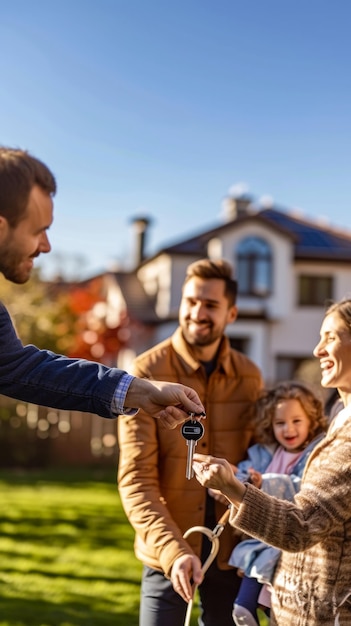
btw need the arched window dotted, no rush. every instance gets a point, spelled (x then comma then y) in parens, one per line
(254, 265)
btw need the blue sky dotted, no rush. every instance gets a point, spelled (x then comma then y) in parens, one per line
(156, 108)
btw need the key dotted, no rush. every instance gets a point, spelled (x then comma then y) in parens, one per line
(192, 431)
(202, 414)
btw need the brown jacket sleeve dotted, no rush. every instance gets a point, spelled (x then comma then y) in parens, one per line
(139, 488)
(161, 504)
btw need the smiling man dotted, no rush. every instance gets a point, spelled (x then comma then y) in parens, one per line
(160, 502)
(23, 240)
(27, 187)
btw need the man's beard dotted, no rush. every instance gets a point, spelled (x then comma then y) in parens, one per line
(196, 340)
(10, 267)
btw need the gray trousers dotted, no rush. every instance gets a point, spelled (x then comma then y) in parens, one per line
(161, 606)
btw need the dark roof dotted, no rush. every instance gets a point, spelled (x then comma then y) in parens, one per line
(311, 240)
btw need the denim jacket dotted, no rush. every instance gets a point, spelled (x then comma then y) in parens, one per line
(48, 379)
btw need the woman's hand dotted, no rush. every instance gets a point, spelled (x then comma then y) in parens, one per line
(218, 495)
(218, 474)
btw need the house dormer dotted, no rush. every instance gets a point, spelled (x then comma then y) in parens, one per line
(287, 269)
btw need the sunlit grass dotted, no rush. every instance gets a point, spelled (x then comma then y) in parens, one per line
(66, 552)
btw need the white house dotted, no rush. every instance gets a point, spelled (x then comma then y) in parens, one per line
(288, 269)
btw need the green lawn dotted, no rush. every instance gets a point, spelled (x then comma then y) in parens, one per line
(66, 551)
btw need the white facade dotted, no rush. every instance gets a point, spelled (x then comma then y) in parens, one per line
(273, 329)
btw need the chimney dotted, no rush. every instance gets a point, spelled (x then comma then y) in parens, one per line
(140, 225)
(232, 207)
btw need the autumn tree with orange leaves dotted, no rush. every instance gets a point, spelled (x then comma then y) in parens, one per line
(67, 318)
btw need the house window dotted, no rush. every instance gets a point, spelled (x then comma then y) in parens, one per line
(315, 290)
(241, 344)
(254, 264)
(287, 367)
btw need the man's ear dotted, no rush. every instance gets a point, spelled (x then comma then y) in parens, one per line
(232, 314)
(3, 221)
(4, 226)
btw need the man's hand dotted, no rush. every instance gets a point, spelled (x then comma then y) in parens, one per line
(185, 568)
(170, 402)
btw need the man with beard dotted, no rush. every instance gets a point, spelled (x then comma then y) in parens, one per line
(160, 502)
(27, 187)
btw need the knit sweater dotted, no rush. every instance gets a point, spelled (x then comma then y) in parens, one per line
(312, 583)
(254, 557)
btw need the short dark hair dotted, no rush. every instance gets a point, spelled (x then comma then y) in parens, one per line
(221, 269)
(19, 173)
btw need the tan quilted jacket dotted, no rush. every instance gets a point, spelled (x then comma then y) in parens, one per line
(158, 499)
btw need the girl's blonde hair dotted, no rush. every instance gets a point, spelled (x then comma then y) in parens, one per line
(289, 390)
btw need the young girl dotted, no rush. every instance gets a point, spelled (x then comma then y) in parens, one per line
(289, 423)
